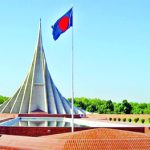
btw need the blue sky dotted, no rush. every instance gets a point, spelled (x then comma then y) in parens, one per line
(111, 42)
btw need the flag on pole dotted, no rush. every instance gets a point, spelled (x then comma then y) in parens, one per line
(62, 24)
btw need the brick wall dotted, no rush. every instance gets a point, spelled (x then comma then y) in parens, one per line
(37, 131)
(48, 115)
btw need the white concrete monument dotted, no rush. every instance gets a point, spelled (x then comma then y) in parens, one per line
(38, 92)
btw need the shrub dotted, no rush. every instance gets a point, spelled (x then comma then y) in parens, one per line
(129, 119)
(124, 119)
(110, 119)
(119, 119)
(142, 120)
(136, 120)
(114, 119)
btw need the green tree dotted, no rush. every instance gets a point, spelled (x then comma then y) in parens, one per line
(102, 109)
(3, 99)
(109, 105)
(135, 108)
(142, 106)
(91, 108)
(80, 104)
(117, 109)
(126, 107)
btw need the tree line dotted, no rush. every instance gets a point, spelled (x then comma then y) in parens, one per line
(96, 105)
(3, 99)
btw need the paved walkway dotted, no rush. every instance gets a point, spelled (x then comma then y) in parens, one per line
(100, 123)
(90, 139)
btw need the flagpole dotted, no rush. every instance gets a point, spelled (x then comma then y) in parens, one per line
(72, 116)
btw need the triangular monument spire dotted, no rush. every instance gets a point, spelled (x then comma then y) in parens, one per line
(38, 92)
